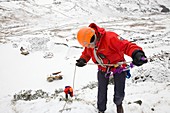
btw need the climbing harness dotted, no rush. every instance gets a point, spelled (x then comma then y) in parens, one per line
(120, 69)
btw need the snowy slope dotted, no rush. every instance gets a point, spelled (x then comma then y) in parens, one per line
(48, 29)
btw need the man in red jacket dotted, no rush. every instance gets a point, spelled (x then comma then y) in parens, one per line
(105, 47)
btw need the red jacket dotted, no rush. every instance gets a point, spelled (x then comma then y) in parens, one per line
(111, 45)
(68, 90)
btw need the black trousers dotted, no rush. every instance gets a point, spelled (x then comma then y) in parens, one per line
(119, 87)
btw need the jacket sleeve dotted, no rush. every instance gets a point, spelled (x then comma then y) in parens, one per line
(123, 45)
(85, 55)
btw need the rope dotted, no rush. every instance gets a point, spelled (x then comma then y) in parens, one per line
(119, 63)
(74, 76)
(97, 59)
(73, 89)
(128, 62)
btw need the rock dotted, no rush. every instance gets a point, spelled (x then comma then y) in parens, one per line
(51, 78)
(138, 102)
(48, 55)
(164, 9)
(24, 51)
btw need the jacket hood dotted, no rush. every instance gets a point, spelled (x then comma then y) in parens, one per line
(99, 31)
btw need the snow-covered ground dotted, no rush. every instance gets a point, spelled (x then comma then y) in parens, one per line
(47, 29)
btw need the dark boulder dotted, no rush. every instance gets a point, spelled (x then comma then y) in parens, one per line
(164, 9)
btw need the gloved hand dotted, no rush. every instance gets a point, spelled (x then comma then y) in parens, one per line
(139, 58)
(81, 62)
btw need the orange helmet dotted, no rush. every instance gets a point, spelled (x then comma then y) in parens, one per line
(84, 36)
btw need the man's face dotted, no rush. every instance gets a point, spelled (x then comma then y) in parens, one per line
(92, 42)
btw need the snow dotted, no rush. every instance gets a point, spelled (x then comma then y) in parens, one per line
(43, 2)
(47, 29)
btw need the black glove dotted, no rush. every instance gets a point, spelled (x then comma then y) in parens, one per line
(81, 62)
(139, 58)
